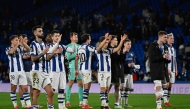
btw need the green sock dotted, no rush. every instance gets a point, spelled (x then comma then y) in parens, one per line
(68, 93)
(80, 92)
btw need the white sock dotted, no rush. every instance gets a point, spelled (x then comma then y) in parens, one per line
(27, 98)
(60, 101)
(126, 95)
(165, 96)
(159, 103)
(22, 101)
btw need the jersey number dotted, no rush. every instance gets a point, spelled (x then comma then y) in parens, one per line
(36, 80)
(82, 57)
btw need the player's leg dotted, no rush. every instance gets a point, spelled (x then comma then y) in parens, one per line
(36, 85)
(80, 91)
(102, 80)
(29, 82)
(21, 97)
(14, 81)
(159, 93)
(122, 89)
(172, 81)
(86, 80)
(71, 79)
(108, 83)
(127, 89)
(61, 89)
(24, 87)
(80, 88)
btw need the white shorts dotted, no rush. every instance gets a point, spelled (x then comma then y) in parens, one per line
(104, 79)
(18, 78)
(39, 79)
(128, 81)
(86, 76)
(58, 80)
(172, 77)
(28, 77)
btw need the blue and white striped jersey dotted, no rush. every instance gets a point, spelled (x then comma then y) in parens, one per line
(36, 49)
(57, 61)
(104, 60)
(85, 53)
(15, 60)
(172, 54)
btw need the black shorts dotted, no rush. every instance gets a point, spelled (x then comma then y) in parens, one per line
(117, 75)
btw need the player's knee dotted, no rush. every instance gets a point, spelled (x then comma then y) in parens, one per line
(70, 83)
(24, 88)
(103, 89)
(116, 88)
(13, 88)
(159, 93)
(80, 83)
(50, 93)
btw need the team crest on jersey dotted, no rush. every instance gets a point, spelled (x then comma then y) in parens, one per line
(131, 54)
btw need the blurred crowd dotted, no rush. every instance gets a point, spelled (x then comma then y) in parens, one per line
(139, 27)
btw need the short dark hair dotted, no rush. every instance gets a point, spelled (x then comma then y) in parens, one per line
(24, 35)
(162, 33)
(127, 40)
(12, 37)
(113, 36)
(54, 31)
(85, 37)
(35, 27)
(73, 33)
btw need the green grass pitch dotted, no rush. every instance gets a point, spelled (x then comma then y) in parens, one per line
(138, 101)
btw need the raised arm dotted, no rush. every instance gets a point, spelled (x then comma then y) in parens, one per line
(120, 44)
(106, 40)
(27, 48)
(10, 52)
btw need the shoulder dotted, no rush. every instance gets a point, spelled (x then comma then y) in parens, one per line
(90, 46)
(68, 45)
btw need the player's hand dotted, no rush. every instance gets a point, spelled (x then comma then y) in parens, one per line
(58, 50)
(59, 39)
(167, 84)
(123, 37)
(20, 41)
(166, 56)
(76, 73)
(107, 36)
(46, 50)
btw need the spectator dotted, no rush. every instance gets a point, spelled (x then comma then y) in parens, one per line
(6, 79)
(184, 74)
(146, 77)
(186, 29)
(146, 45)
